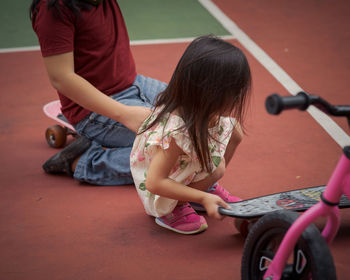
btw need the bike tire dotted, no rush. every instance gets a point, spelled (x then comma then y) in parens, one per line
(311, 255)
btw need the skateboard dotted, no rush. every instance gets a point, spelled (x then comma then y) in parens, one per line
(56, 135)
(247, 212)
(296, 200)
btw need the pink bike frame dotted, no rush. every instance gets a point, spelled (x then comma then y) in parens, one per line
(338, 184)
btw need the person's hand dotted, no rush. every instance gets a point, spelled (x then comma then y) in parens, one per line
(135, 117)
(211, 203)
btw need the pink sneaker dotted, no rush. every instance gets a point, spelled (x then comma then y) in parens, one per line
(219, 191)
(183, 219)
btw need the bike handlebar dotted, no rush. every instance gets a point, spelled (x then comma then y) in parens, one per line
(275, 104)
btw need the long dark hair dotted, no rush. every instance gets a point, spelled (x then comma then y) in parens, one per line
(211, 79)
(75, 5)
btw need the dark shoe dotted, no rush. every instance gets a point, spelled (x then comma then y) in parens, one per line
(62, 161)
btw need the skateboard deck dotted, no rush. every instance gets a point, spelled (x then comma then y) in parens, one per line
(53, 111)
(296, 200)
(56, 135)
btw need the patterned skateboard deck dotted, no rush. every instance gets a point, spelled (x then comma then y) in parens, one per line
(296, 200)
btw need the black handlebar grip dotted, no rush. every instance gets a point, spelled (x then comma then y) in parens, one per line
(275, 103)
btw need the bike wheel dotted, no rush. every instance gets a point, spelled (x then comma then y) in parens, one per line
(311, 258)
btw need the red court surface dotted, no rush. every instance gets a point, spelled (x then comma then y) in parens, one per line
(52, 227)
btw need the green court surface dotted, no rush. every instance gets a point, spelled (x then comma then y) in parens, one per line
(145, 19)
(15, 25)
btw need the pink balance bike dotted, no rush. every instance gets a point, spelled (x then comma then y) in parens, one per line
(285, 245)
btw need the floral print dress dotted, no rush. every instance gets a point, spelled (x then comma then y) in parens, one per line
(187, 168)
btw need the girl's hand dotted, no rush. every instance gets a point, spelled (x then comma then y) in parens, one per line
(211, 203)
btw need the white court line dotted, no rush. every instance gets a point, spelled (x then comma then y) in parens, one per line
(22, 49)
(133, 43)
(172, 41)
(332, 128)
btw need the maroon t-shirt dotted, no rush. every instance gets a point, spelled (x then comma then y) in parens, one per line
(100, 42)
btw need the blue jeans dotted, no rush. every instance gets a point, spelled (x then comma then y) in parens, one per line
(107, 161)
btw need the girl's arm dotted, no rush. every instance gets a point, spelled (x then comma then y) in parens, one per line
(60, 69)
(158, 182)
(236, 138)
